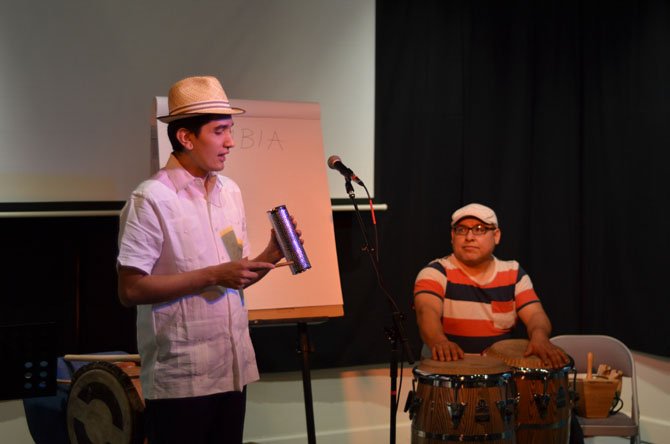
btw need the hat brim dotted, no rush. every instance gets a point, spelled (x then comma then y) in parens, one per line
(472, 216)
(227, 112)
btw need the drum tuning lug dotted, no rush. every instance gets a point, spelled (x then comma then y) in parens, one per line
(507, 408)
(456, 410)
(482, 413)
(412, 404)
(408, 402)
(542, 403)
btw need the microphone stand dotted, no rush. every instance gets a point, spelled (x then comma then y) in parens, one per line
(394, 334)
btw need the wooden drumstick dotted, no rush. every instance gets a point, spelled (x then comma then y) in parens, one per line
(106, 358)
(589, 365)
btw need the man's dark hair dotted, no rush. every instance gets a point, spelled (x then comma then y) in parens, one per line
(192, 124)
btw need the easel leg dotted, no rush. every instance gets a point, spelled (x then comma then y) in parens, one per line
(305, 350)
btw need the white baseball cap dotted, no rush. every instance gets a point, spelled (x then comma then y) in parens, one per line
(478, 211)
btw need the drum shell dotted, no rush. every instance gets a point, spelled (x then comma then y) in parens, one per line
(537, 421)
(534, 423)
(105, 404)
(433, 422)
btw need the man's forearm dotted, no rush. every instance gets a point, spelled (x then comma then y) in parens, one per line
(539, 326)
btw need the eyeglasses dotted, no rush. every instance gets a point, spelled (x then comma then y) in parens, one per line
(477, 230)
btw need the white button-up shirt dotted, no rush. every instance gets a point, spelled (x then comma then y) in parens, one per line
(198, 344)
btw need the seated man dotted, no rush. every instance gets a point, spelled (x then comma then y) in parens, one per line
(470, 299)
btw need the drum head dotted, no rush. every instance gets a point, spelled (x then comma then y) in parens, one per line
(511, 351)
(104, 406)
(469, 365)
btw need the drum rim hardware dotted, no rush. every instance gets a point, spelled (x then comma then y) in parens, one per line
(467, 381)
(456, 410)
(541, 373)
(508, 406)
(507, 434)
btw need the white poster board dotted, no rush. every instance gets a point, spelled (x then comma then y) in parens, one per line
(279, 159)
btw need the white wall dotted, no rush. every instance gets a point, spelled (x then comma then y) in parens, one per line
(351, 406)
(79, 77)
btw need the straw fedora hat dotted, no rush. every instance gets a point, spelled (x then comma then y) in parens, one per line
(195, 96)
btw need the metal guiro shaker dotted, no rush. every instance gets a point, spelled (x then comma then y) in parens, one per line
(288, 239)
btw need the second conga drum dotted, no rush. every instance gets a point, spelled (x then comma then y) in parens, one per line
(469, 400)
(543, 413)
(105, 404)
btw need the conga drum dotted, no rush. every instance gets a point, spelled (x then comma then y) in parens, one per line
(543, 413)
(105, 404)
(469, 400)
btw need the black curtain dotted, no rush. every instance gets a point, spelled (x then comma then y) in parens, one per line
(554, 113)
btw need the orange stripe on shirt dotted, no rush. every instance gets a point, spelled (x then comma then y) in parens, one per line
(429, 286)
(503, 278)
(502, 306)
(470, 327)
(456, 276)
(525, 297)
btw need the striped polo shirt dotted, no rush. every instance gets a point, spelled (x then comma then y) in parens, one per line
(474, 314)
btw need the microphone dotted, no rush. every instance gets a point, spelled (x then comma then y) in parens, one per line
(335, 163)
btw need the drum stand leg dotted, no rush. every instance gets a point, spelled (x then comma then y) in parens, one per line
(305, 349)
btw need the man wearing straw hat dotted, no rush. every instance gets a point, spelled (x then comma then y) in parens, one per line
(468, 300)
(182, 261)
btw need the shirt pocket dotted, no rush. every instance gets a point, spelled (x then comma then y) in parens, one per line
(504, 315)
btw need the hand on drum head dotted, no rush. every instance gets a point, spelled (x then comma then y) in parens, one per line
(547, 352)
(446, 351)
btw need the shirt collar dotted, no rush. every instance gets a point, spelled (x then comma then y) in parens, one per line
(181, 179)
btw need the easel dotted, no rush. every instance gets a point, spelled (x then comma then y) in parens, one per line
(305, 348)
